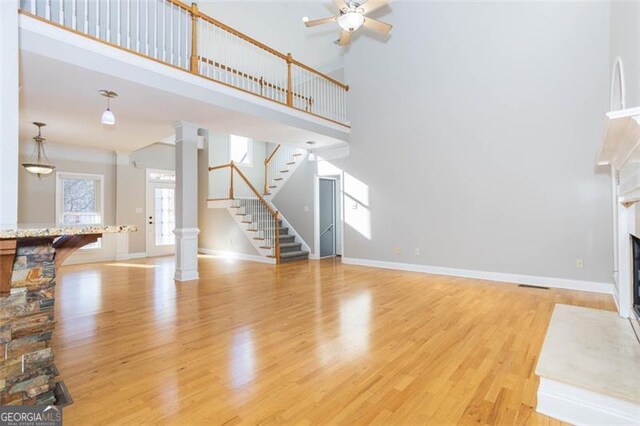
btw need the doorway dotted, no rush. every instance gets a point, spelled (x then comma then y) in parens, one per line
(328, 217)
(161, 219)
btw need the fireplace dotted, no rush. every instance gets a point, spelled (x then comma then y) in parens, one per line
(635, 244)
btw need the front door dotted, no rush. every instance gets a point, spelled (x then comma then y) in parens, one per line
(161, 219)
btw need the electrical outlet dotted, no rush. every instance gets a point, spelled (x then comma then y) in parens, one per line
(230, 243)
(416, 251)
(397, 250)
(306, 209)
(138, 209)
(579, 263)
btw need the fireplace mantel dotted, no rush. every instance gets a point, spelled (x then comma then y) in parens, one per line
(620, 150)
(621, 138)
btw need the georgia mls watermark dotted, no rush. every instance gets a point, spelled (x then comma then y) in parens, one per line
(30, 415)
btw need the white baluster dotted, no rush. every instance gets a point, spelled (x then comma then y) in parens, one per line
(128, 24)
(86, 16)
(119, 29)
(61, 12)
(108, 30)
(74, 13)
(98, 18)
(146, 28)
(171, 8)
(139, 23)
(47, 9)
(155, 31)
(32, 7)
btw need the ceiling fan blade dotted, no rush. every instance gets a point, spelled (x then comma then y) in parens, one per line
(377, 26)
(345, 38)
(372, 5)
(320, 21)
(340, 4)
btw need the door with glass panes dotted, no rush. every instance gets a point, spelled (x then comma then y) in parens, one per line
(161, 219)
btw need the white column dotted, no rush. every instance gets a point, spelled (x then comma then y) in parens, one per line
(123, 204)
(186, 201)
(9, 105)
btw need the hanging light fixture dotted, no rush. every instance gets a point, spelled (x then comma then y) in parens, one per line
(107, 116)
(39, 163)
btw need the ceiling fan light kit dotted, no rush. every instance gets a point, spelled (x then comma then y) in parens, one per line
(351, 17)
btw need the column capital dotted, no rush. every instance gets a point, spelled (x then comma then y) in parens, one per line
(185, 124)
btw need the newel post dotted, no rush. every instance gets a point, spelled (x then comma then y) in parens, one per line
(289, 83)
(231, 167)
(194, 38)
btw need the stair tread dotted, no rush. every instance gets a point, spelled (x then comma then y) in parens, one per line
(284, 245)
(294, 254)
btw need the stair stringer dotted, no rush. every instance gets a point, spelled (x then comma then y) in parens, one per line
(251, 235)
(285, 176)
(292, 230)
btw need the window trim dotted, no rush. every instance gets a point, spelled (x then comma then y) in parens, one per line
(59, 193)
(249, 150)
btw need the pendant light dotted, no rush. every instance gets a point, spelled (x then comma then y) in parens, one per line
(107, 116)
(39, 163)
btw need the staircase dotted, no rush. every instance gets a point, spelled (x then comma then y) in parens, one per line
(279, 166)
(271, 235)
(258, 223)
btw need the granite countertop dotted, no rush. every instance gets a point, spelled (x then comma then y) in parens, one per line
(57, 231)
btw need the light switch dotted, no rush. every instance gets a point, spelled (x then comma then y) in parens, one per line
(306, 209)
(138, 209)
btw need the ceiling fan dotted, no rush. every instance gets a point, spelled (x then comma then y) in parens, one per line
(352, 17)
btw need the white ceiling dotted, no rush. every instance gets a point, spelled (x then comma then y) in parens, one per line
(279, 25)
(65, 96)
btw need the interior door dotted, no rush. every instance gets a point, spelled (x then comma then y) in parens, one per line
(327, 217)
(161, 219)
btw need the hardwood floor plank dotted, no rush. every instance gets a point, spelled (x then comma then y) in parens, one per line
(302, 343)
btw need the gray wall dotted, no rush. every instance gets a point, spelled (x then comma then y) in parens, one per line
(294, 196)
(37, 197)
(477, 144)
(625, 43)
(476, 133)
(134, 190)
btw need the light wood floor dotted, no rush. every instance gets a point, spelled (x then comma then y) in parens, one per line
(311, 342)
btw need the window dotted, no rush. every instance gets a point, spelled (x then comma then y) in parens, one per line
(79, 201)
(240, 151)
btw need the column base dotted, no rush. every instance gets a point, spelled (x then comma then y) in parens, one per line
(186, 254)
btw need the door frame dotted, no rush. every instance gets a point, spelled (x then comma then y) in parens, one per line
(338, 215)
(149, 209)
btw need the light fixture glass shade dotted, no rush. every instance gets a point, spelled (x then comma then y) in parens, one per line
(39, 164)
(351, 21)
(38, 169)
(108, 118)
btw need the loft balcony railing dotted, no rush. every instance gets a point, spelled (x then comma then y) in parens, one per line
(181, 36)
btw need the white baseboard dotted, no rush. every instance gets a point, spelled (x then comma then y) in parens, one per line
(580, 406)
(590, 286)
(138, 255)
(238, 256)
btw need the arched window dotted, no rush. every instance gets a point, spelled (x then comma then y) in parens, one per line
(617, 85)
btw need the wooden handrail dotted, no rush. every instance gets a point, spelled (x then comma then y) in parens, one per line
(253, 189)
(266, 169)
(250, 77)
(192, 65)
(274, 213)
(241, 35)
(268, 159)
(323, 75)
(222, 166)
